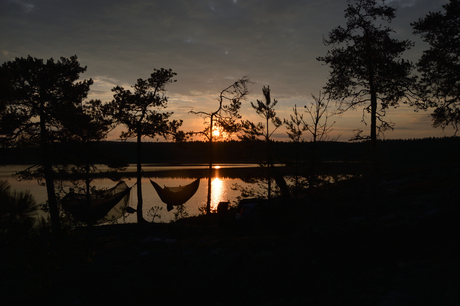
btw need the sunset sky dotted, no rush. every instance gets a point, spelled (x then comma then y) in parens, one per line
(209, 44)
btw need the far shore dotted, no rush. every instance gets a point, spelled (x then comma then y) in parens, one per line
(237, 171)
(225, 170)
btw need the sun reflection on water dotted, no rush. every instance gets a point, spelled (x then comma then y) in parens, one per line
(219, 193)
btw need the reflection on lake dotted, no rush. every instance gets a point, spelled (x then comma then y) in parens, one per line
(220, 187)
(218, 192)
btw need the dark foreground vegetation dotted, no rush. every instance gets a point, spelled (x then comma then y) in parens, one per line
(349, 243)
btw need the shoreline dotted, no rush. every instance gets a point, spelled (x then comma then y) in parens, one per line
(224, 170)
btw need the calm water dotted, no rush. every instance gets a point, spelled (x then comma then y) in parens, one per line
(221, 190)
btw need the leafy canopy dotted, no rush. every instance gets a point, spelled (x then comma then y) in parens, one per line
(139, 110)
(265, 109)
(40, 92)
(366, 64)
(439, 66)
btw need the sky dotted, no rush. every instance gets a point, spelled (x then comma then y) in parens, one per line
(209, 44)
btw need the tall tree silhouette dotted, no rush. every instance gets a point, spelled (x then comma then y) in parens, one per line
(42, 97)
(140, 112)
(224, 118)
(367, 69)
(440, 65)
(251, 131)
(90, 123)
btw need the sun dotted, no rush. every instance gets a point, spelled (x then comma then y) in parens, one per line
(215, 133)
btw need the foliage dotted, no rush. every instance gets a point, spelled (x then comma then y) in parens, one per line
(18, 215)
(91, 122)
(366, 64)
(41, 93)
(154, 212)
(180, 212)
(42, 99)
(266, 110)
(252, 131)
(295, 125)
(140, 112)
(440, 65)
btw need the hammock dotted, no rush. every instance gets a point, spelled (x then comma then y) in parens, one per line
(176, 195)
(105, 205)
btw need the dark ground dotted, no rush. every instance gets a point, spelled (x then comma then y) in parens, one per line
(346, 245)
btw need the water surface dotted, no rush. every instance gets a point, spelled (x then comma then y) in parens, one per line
(221, 189)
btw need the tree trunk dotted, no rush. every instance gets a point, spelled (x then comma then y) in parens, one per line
(267, 139)
(52, 200)
(49, 179)
(140, 218)
(374, 166)
(374, 126)
(370, 67)
(208, 202)
(88, 190)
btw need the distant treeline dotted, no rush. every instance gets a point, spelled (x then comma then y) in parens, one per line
(391, 152)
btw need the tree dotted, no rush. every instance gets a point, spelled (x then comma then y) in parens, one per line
(90, 124)
(139, 111)
(366, 63)
(319, 113)
(317, 125)
(223, 118)
(295, 127)
(251, 131)
(440, 65)
(43, 95)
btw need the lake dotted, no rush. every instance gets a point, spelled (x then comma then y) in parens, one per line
(221, 188)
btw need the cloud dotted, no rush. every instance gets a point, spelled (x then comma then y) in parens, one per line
(17, 5)
(209, 43)
(202, 40)
(401, 3)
